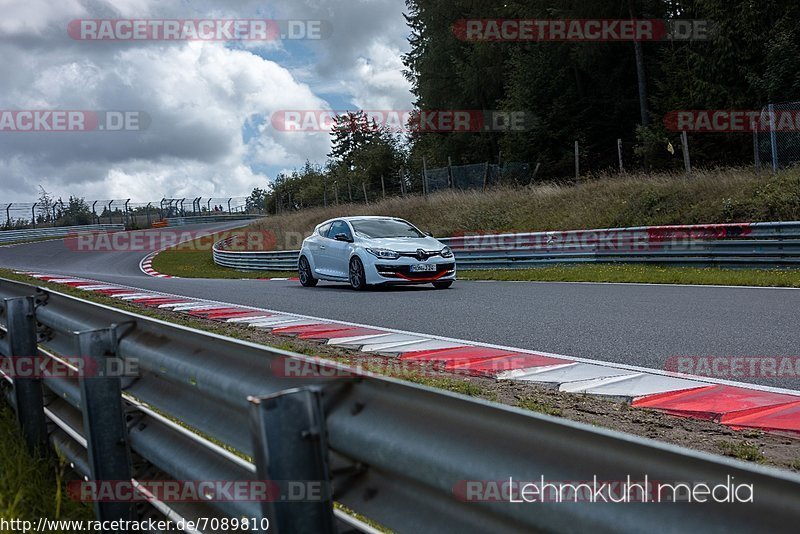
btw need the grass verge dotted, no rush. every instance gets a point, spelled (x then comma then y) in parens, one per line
(648, 274)
(32, 488)
(195, 260)
(710, 196)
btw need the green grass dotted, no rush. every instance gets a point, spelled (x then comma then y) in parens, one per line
(187, 263)
(535, 406)
(643, 274)
(742, 451)
(31, 488)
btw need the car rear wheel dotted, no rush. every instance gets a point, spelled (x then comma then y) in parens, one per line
(443, 285)
(304, 272)
(358, 279)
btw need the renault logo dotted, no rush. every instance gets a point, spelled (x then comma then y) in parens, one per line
(421, 255)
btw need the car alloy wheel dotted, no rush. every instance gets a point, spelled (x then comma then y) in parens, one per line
(306, 277)
(358, 279)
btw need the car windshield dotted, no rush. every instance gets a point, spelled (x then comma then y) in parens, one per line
(384, 228)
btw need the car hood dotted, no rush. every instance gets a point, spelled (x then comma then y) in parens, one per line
(400, 244)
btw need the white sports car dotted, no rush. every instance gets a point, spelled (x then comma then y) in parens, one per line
(369, 251)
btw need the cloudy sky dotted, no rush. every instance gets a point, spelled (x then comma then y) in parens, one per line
(209, 102)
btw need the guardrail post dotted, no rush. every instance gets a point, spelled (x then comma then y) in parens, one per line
(27, 391)
(103, 419)
(291, 449)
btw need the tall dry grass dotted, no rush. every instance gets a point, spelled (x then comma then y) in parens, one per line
(709, 196)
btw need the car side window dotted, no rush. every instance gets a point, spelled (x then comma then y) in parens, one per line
(339, 227)
(324, 229)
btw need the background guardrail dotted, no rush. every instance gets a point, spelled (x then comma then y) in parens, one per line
(743, 245)
(203, 407)
(11, 236)
(181, 221)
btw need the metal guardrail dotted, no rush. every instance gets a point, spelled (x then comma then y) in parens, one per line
(180, 221)
(743, 245)
(208, 408)
(13, 236)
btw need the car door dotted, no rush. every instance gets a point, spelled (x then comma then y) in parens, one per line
(317, 245)
(337, 253)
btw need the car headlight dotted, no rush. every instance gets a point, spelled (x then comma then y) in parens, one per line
(447, 253)
(383, 253)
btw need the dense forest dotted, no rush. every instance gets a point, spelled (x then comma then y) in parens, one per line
(590, 92)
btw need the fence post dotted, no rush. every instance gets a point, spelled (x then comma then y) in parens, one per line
(577, 161)
(424, 175)
(104, 422)
(450, 172)
(27, 391)
(619, 153)
(383, 187)
(485, 175)
(364, 188)
(229, 205)
(8, 214)
(147, 210)
(756, 149)
(290, 444)
(687, 162)
(110, 220)
(773, 139)
(535, 172)
(402, 182)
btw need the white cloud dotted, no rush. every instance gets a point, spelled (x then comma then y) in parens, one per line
(209, 102)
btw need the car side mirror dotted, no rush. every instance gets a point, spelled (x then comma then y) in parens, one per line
(429, 234)
(342, 237)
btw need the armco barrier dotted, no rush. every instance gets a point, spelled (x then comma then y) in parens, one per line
(743, 245)
(181, 221)
(203, 407)
(12, 236)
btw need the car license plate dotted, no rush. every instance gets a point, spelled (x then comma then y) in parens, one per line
(423, 268)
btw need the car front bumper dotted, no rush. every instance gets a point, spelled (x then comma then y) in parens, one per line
(399, 272)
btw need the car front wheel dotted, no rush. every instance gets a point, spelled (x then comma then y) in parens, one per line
(358, 279)
(304, 272)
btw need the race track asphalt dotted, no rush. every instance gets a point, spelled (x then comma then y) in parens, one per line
(641, 325)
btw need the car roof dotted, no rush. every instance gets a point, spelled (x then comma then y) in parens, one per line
(362, 218)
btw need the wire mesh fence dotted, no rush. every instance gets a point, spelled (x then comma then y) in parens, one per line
(78, 212)
(478, 176)
(777, 136)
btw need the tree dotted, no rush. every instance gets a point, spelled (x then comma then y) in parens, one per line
(77, 212)
(44, 205)
(257, 201)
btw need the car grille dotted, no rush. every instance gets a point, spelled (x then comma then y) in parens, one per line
(427, 254)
